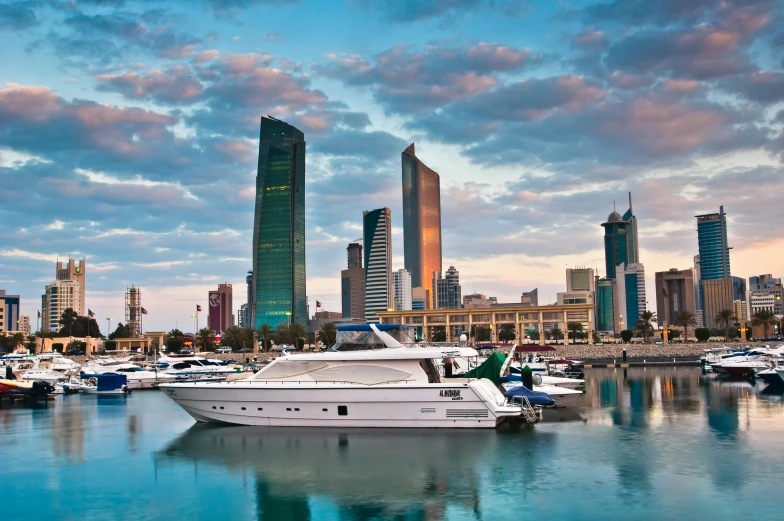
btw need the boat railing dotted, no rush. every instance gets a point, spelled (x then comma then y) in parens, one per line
(527, 410)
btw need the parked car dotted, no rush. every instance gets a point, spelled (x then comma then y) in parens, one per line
(186, 351)
(223, 349)
(245, 350)
(75, 352)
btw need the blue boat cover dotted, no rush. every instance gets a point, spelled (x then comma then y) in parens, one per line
(108, 382)
(512, 378)
(366, 327)
(535, 397)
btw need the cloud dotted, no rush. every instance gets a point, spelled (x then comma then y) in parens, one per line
(403, 80)
(764, 87)
(416, 10)
(18, 15)
(170, 86)
(28, 255)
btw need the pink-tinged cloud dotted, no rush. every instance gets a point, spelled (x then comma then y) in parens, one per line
(175, 85)
(206, 56)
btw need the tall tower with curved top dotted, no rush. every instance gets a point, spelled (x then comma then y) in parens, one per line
(421, 220)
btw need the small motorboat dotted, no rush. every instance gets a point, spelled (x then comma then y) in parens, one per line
(105, 384)
(543, 379)
(741, 367)
(535, 398)
(37, 389)
(771, 376)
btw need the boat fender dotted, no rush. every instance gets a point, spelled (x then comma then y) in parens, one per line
(537, 379)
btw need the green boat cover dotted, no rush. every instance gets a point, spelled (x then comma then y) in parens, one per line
(490, 369)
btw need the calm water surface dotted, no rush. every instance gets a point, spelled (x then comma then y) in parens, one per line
(648, 444)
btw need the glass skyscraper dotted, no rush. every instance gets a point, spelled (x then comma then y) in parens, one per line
(279, 227)
(712, 243)
(421, 220)
(620, 240)
(377, 233)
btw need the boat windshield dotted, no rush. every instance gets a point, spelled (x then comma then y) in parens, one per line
(362, 337)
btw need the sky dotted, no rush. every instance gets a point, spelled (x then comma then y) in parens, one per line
(129, 136)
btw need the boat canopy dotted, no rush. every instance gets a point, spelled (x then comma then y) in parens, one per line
(108, 381)
(490, 369)
(363, 337)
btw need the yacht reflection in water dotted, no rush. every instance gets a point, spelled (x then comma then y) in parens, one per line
(389, 474)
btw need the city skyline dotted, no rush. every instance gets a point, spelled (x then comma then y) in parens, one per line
(139, 153)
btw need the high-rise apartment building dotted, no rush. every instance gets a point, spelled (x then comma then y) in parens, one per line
(447, 293)
(279, 295)
(630, 294)
(242, 316)
(354, 254)
(401, 280)
(605, 314)
(421, 220)
(674, 293)
(377, 234)
(580, 279)
(24, 324)
(75, 271)
(220, 317)
(9, 312)
(530, 298)
(713, 246)
(620, 240)
(58, 296)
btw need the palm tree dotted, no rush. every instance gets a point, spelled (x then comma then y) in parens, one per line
(265, 332)
(644, 325)
(297, 331)
(67, 320)
(575, 328)
(506, 332)
(17, 338)
(725, 317)
(685, 319)
(556, 334)
(234, 337)
(205, 337)
(764, 318)
(328, 334)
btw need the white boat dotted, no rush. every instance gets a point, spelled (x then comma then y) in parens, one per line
(367, 379)
(138, 377)
(740, 366)
(194, 368)
(567, 383)
(563, 397)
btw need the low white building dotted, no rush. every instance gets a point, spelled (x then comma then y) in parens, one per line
(401, 280)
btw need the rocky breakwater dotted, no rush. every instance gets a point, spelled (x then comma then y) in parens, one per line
(635, 353)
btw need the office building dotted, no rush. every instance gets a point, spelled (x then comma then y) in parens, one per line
(24, 324)
(698, 291)
(566, 298)
(530, 298)
(620, 240)
(447, 293)
(354, 254)
(580, 279)
(604, 310)
(419, 299)
(761, 282)
(674, 293)
(421, 220)
(629, 294)
(220, 306)
(713, 247)
(59, 296)
(279, 295)
(718, 294)
(401, 280)
(9, 312)
(242, 316)
(352, 293)
(327, 315)
(477, 300)
(377, 236)
(765, 289)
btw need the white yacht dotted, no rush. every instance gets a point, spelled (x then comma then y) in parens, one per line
(367, 379)
(137, 377)
(194, 368)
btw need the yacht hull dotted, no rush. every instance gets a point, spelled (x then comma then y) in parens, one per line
(325, 405)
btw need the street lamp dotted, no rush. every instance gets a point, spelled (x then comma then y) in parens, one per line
(196, 324)
(288, 318)
(108, 326)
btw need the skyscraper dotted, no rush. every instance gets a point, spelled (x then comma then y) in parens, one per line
(713, 247)
(620, 240)
(605, 315)
(674, 293)
(377, 228)
(421, 220)
(401, 280)
(9, 312)
(220, 317)
(447, 293)
(352, 284)
(279, 227)
(76, 272)
(629, 294)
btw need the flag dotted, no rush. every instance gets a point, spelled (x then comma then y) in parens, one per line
(39, 314)
(198, 308)
(90, 313)
(144, 311)
(318, 304)
(665, 292)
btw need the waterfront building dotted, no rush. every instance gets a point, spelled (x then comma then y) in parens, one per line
(401, 280)
(698, 291)
(9, 312)
(58, 296)
(377, 236)
(713, 247)
(580, 279)
(24, 324)
(530, 298)
(279, 294)
(242, 316)
(419, 299)
(763, 303)
(764, 289)
(605, 314)
(219, 317)
(354, 254)
(421, 220)
(620, 240)
(476, 300)
(77, 272)
(446, 290)
(629, 294)
(718, 294)
(674, 293)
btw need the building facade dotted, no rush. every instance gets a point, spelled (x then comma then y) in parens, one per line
(354, 254)
(698, 291)
(9, 312)
(713, 247)
(476, 300)
(764, 289)
(220, 306)
(77, 272)
(630, 294)
(620, 240)
(674, 293)
(24, 324)
(580, 279)
(377, 234)
(718, 294)
(530, 298)
(447, 293)
(58, 296)
(401, 281)
(605, 314)
(421, 220)
(419, 299)
(279, 293)
(242, 316)
(352, 293)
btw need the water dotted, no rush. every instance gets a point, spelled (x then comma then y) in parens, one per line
(650, 444)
